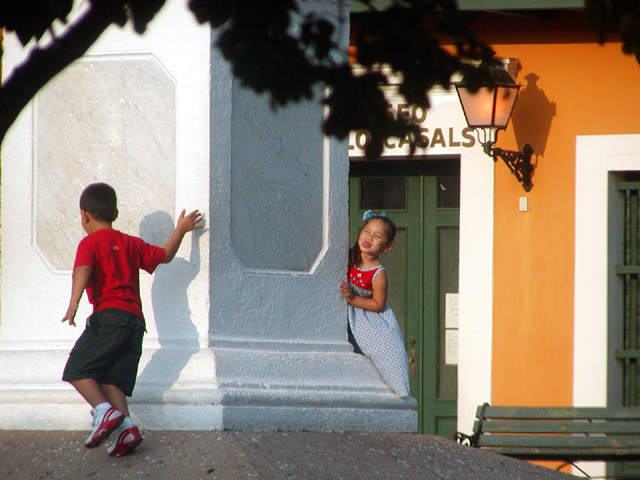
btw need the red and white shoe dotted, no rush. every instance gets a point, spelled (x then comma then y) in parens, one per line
(127, 440)
(103, 426)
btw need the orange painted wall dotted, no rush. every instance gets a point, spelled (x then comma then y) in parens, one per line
(596, 91)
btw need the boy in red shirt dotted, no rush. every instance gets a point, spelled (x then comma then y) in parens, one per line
(103, 364)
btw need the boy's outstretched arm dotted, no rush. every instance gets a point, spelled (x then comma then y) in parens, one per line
(185, 224)
(80, 278)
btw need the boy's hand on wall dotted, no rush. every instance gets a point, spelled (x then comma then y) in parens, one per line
(186, 223)
(192, 221)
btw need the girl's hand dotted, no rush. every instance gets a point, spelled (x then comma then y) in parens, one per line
(346, 292)
(378, 300)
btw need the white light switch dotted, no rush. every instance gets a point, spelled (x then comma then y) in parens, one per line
(523, 203)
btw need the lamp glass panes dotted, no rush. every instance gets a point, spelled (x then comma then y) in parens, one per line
(488, 107)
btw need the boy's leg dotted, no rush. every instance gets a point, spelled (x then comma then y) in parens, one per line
(91, 391)
(106, 416)
(119, 380)
(127, 434)
(95, 356)
(115, 397)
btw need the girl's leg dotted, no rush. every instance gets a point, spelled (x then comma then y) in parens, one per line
(352, 341)
(115, 397)
(90, 390)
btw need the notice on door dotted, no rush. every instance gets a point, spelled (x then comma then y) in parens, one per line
(451, 329)
(451, 310)
(451, 351)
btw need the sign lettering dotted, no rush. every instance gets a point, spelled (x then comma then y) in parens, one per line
(438, 137)
(432, 137)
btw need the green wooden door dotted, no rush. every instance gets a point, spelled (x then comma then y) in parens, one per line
(422, 198)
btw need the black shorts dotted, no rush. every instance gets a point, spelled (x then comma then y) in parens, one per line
(108, 350)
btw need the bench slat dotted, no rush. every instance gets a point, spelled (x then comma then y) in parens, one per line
(568, 454)
(559, 433)
(548, 441)
(554, 413)
(558, 426)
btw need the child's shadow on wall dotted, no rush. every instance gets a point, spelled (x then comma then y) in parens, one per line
(177, 335)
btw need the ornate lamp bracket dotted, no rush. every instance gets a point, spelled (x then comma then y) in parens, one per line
(519, 163)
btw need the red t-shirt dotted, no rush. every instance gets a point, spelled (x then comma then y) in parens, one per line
(115, 260)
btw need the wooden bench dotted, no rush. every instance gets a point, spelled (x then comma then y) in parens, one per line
(566, 434)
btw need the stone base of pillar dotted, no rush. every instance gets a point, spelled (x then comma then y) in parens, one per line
(216, 389)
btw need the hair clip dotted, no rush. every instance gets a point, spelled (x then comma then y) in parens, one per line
(369, 215)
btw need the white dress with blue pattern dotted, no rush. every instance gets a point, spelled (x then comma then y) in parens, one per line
(378, 335)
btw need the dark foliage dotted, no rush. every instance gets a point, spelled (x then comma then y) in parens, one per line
(616, 17)
(268, 55)
(274, 48)
(30, 19)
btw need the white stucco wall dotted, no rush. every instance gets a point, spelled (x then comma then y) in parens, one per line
(278, 323)
(597, 157)
(187, 69)
(133, 112)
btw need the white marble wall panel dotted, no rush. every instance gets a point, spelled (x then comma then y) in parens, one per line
(102, 119)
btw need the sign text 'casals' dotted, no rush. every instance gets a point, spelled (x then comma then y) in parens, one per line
(432, 137)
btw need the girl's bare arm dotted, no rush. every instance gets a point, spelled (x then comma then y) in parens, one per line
(374, 304)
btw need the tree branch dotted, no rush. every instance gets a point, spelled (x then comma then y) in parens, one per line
(44, 64)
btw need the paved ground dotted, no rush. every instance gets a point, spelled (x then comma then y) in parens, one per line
(213, 455)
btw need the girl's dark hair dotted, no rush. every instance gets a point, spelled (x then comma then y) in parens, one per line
(355, 256)
(99, 199)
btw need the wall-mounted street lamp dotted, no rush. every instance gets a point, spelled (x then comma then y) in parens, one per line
(487, 103)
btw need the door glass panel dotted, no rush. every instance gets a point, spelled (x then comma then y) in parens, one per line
(447, 331)
(449, 191)
(395, 262)
(383, 193)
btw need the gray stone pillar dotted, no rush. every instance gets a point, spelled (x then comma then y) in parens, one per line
(279, 190)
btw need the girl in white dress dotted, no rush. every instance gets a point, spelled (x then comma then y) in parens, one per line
(372, 323)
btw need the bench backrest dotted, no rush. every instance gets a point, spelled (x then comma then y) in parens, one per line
(588, 433)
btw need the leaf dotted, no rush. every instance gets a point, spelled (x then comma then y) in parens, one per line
(29, 19)
(317, 34)
(143, 11)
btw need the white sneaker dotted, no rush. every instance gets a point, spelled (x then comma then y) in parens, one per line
(127, 440)
(103, 426)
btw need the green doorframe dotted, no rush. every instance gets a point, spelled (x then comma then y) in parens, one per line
(628, 352)
(423, 268)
